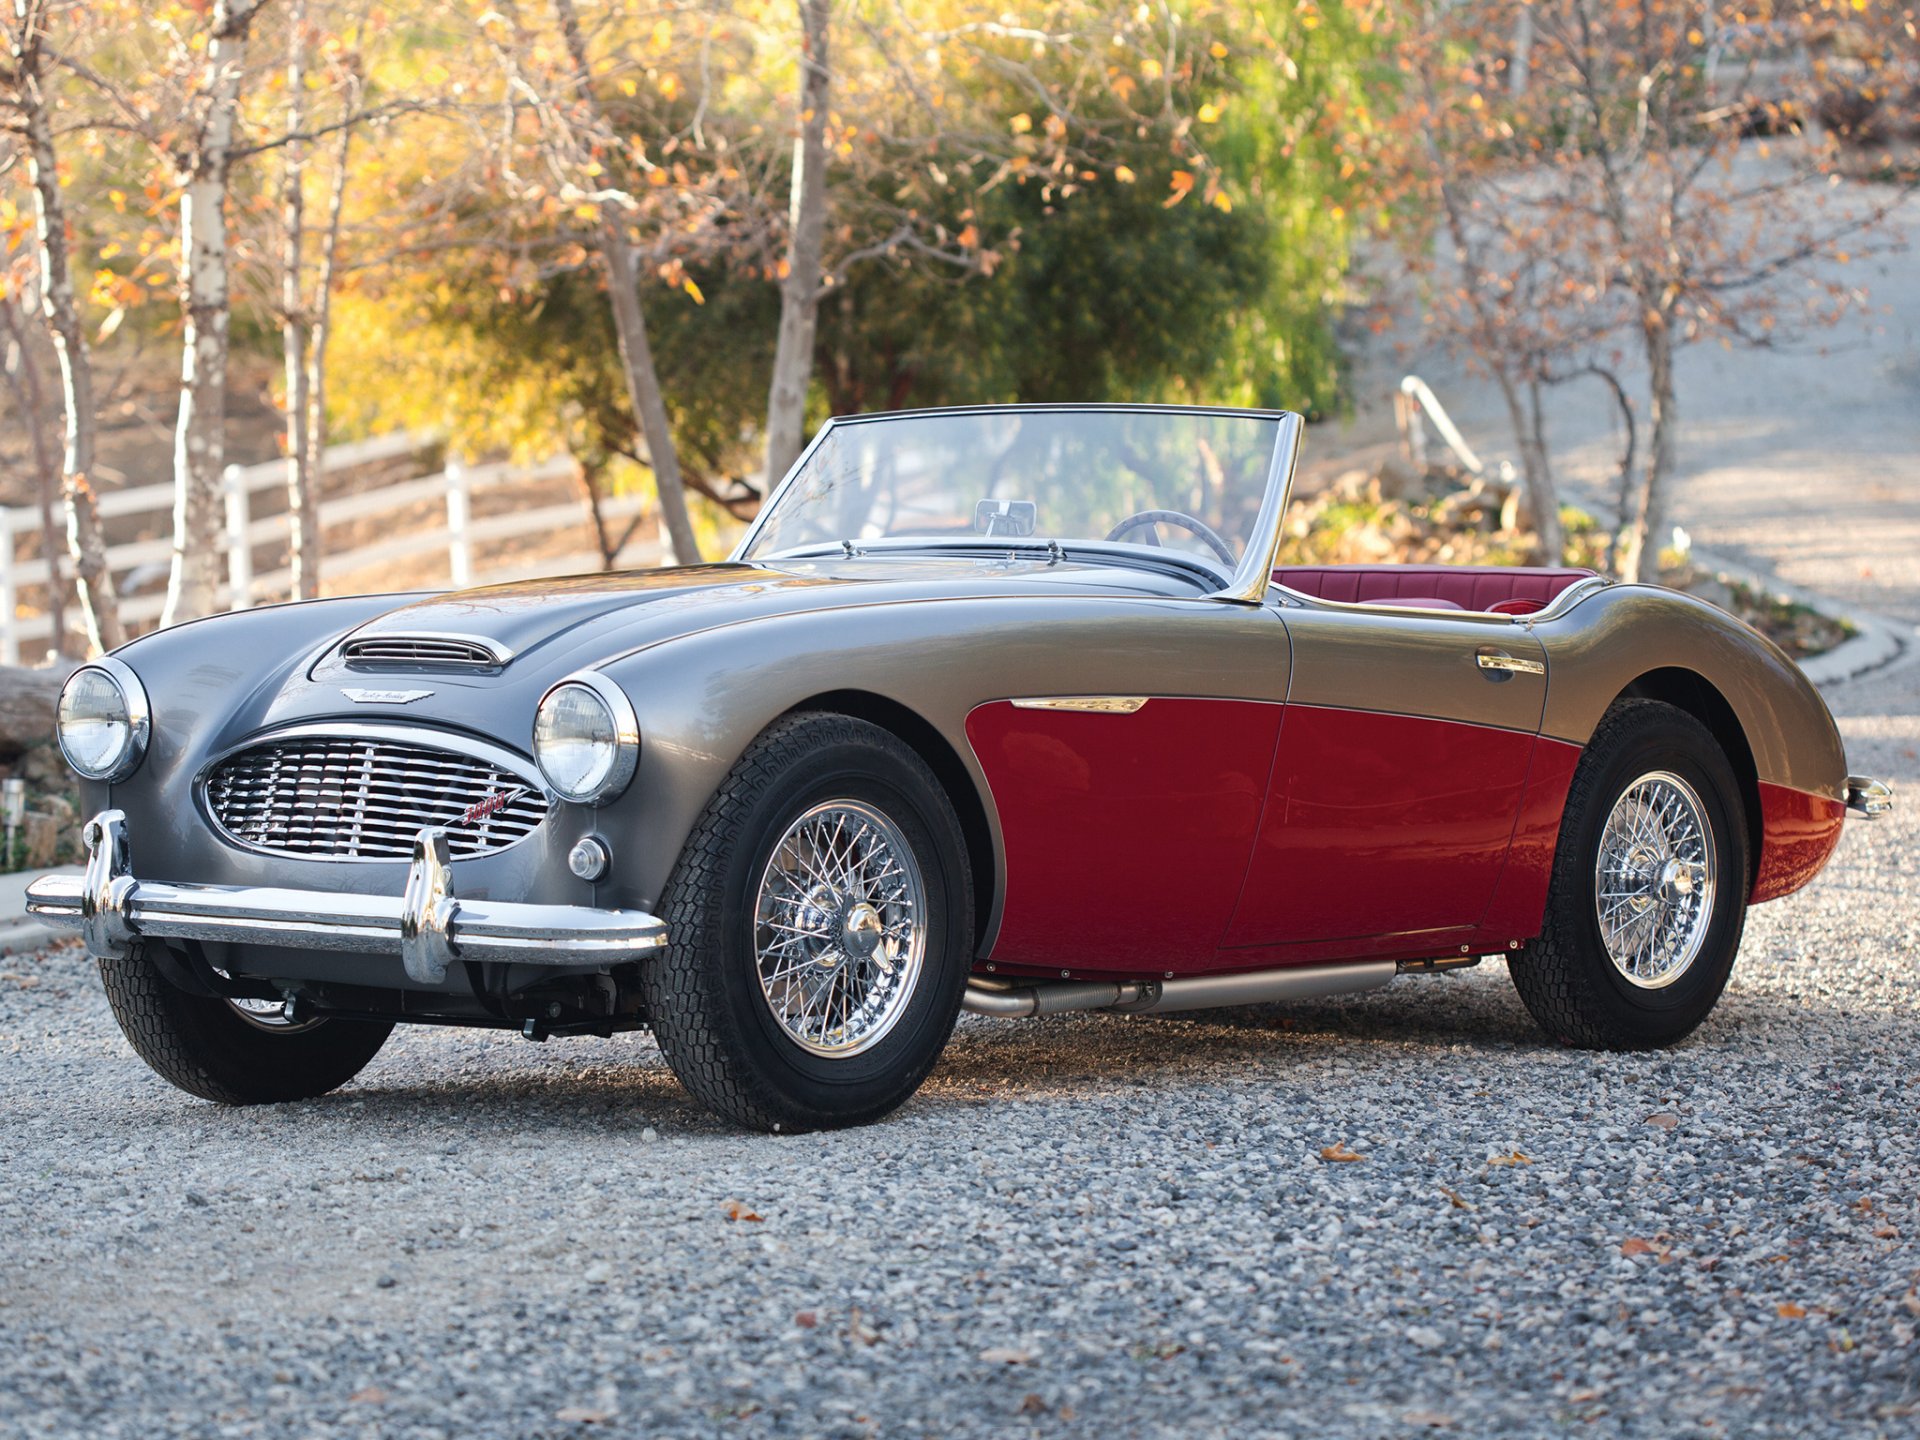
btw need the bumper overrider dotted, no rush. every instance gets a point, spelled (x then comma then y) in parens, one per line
(427, 925)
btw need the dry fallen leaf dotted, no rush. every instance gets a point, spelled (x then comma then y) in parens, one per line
(1002, 1355)
(738, 1210)
(1665, 1119)
(368, 1395)
(1033, 1405)
(1454, 1197)
(1338, 1151)
(1637, 1246)
(806, 1319)
(1790, 1311)
(1886, 1232)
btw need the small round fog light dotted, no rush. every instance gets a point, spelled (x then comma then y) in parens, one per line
(589, 859)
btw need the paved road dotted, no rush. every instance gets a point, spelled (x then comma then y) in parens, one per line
(1082, 1225)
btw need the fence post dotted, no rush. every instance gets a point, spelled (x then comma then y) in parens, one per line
(9, 595)
(459, 513)
(239, 546)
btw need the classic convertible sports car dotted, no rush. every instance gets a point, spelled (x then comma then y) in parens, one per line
(1003, 709)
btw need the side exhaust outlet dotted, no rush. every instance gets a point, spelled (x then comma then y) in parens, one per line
(1004, 998)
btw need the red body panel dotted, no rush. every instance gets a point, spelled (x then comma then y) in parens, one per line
(1126, 836)
(1520, 900)
(1798, 833)
(1379, 825)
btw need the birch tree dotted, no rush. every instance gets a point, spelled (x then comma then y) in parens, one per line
(200, 443)
(306, 314)
(25, 91)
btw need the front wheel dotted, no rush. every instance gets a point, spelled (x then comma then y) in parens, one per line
(234, 1052)
(1649, 890)
(819, 931)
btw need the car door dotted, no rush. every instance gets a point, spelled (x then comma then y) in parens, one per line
(1129, 780)
(1398, 775)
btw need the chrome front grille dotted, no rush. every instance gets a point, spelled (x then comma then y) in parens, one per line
(353, 797)
(423, 650)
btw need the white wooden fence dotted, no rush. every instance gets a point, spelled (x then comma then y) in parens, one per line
(458, 537)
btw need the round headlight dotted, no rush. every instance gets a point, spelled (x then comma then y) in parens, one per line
(586, 739)
(103, 720)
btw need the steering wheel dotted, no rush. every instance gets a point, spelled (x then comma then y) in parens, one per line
(1147, 519)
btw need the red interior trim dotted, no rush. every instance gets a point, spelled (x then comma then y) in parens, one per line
(1495, 588)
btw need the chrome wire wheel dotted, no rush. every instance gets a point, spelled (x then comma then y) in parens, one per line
(840, 928)
(1654, 880)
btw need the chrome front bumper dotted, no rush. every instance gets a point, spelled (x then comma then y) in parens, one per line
(1868, 797)
(427, 926)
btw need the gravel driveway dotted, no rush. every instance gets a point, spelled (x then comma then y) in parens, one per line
(1081, 1224)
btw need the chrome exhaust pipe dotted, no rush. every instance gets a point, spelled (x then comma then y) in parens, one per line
(1198, 992)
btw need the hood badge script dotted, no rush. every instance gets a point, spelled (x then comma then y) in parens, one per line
(385, 697)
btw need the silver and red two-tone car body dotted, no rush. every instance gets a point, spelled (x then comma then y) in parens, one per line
(1160, 777)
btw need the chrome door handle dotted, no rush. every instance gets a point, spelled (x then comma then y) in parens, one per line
(1511, 664)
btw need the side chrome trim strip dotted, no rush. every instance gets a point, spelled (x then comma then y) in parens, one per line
(1088, 704)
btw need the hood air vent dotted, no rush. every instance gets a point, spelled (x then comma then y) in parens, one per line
(468, 651)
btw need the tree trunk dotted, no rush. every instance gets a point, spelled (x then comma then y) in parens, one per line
(1542, 489)
(1540, 504)
(643, 393)
(806, 224)
(200, 441)
(93, 577)
(630, 325)
(1648, 529)
(293, 320)
(306, 559)
(30, 400)
(27, 699)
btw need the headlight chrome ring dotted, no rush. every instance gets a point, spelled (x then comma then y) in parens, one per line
(586, 738)
(110, 758)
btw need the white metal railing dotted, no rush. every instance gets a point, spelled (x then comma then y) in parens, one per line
(458, 537)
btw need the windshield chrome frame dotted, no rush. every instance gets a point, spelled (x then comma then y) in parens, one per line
(1246, 585)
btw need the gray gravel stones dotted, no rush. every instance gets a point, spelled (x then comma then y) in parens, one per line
(1080, 1225)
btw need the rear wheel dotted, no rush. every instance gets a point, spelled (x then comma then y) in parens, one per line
(820, 931)
(234, 1052)
(1649, 889)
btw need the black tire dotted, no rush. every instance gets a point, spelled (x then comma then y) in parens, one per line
(710, 1015)
(207, 1048)
(1566, 977)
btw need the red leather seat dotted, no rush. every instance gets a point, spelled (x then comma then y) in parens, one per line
(1492, 588)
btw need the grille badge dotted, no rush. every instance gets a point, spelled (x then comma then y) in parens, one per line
(385, 697)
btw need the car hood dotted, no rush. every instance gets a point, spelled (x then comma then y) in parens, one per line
(551, 628)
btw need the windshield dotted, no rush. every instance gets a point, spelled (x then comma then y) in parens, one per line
(1191, 481)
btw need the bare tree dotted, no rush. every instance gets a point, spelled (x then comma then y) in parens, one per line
(806, 228)
(29, 399)
(24, 90)
(200, 442)
(1638, 206)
